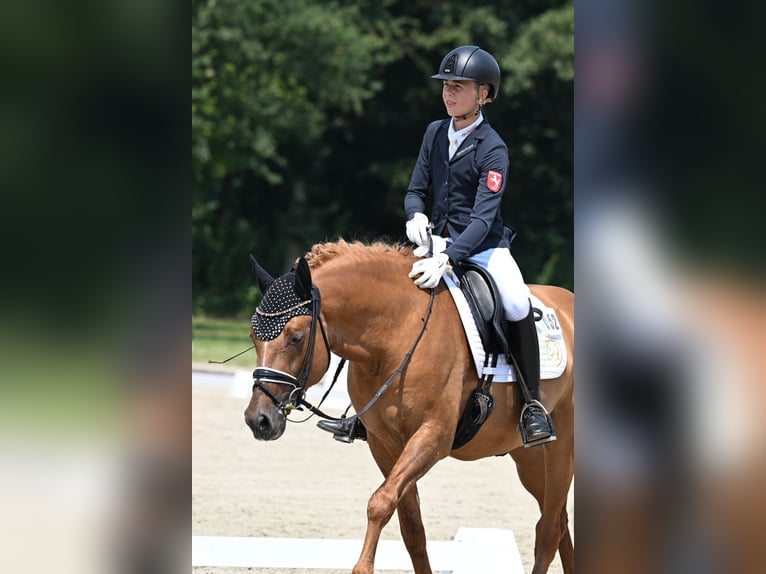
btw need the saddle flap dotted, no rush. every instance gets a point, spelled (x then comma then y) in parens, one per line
(483, 298)
(482, 293)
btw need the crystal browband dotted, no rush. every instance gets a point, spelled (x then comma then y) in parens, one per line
(278, 313)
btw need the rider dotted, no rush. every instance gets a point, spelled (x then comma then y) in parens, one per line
(465, 162)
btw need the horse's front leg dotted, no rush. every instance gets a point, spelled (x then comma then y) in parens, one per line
(411, 527)
(408, 510)
(423, 450)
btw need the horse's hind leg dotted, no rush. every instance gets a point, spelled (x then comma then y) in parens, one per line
(398, 491)
(546, 472)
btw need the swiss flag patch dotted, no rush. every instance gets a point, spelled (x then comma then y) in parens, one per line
(494, 181)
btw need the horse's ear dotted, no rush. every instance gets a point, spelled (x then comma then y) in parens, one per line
(303, 279)
(261, 275)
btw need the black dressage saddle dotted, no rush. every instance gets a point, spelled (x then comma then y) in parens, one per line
(483, 299)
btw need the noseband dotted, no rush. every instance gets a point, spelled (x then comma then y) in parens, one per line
(296, 397)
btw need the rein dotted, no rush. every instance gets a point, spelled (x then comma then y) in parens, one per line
(297, 396)
(405, 361)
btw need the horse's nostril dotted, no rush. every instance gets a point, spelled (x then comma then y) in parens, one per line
(264, 424)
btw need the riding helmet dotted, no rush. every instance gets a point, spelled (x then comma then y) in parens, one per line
(471, 63)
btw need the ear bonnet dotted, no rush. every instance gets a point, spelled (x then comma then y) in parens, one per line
(280, 304)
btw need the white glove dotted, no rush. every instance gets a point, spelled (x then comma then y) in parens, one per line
(417, 229)
(430, 270)
(439, 245)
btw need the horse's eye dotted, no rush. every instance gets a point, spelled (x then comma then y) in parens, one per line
(295, 338)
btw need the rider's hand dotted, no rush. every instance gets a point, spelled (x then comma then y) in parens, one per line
(430, 270)
(417, 229)
(439, 244)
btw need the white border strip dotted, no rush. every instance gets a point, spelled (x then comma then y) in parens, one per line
(485, 550)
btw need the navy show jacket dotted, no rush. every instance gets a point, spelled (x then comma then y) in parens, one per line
(463, 201)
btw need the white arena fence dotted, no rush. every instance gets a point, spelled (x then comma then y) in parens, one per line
(473, 550)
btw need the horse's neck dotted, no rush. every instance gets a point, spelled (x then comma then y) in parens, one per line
(360, 309)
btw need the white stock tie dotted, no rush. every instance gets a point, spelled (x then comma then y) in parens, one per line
(452, 146)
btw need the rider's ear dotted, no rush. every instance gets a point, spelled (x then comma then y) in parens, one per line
(261, 275)
(303, 280)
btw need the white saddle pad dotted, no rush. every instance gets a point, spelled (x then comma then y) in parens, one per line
(553, 353)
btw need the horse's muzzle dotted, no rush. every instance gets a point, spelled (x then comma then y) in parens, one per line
(265, 426)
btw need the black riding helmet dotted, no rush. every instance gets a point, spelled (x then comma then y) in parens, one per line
(471, 63)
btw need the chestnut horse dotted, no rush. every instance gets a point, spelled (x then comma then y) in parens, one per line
(371, 314)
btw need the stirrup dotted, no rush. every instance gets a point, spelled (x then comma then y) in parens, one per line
(344, 438)
(344, 430)
(538, 406)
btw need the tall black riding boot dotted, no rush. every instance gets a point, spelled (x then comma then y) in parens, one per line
(345, 429)
(535, 425)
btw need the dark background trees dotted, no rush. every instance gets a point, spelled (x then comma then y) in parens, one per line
(307, 117)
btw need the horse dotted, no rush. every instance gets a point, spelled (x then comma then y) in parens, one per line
(359, 298)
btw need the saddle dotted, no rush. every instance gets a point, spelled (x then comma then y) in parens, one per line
(483, 298)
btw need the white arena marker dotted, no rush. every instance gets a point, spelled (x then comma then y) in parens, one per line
(486, 550)
(241, 385)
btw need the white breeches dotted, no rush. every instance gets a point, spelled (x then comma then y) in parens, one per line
(514, 293)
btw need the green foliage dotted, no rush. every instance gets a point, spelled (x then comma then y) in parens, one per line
(269, 79)
(269, 73)
(307, 117)
(545, 42)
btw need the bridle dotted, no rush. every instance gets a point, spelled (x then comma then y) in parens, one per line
(298, 383)
(297, 396)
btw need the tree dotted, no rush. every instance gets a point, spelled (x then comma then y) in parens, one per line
(269, 78)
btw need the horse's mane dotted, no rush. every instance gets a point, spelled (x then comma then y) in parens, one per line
(358, 251)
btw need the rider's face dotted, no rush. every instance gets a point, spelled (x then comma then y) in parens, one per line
(461, 97)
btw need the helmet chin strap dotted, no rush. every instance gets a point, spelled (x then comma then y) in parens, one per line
(466, 116)
(474, 114)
